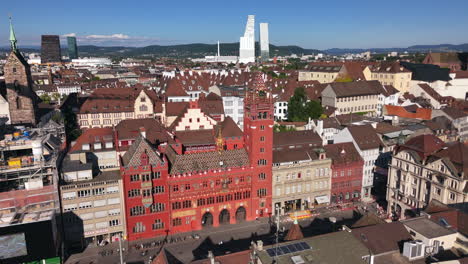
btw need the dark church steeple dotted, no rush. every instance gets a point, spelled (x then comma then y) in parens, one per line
(20, 95)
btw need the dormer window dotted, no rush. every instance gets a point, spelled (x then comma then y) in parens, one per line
(97, 145)
(85, 147)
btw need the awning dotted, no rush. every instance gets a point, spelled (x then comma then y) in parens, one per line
(322, 199)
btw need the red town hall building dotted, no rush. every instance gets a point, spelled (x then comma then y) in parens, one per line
(203, 177)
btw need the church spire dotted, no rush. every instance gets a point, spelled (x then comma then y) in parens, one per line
(12, 37)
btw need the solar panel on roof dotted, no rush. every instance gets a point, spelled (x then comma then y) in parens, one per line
(285, 249)
(288, 249)
(305, 245)
(292, 248)
(271, 252)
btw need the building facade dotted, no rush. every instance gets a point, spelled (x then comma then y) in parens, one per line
(390, 74)
(50, 49)
(93, 210)
(174, 186)
(264, 42)
(301, 179)
(423, 169)
(247, 42)
(369, 145)
(346, 170)
(72, 48)
(352, 97)
(106, 107)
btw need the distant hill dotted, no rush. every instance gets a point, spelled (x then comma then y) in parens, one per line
(411, 49)
(198, 50)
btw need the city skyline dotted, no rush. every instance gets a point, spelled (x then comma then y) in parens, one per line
(318, 26)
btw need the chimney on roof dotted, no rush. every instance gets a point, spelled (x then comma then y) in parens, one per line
(143, 132)
(259, 245)
(211, 257)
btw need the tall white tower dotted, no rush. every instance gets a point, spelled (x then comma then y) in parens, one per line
(247, 42)
(264, 42)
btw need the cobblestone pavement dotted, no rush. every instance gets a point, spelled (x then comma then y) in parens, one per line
(220, 240)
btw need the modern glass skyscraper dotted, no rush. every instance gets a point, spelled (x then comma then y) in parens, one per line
(264, 42)
(247, 42)
(72, 48)
(50, 49)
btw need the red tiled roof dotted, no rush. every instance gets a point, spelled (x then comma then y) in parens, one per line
(176, 108)
(91, 136)
(421, 113)
(424, 145)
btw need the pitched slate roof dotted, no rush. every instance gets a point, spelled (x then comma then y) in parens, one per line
(155, 131)
(458, 220)
(176, 108)
(457, 155)
(454, 113)
(133, 156)
(365, 136)
(445, 57)
(196, 137)
(427, 72)
(229, 128)
(116, 100)
(388, 67)
(347, 89)
(199, 162)
(382, 238)
(342, 153)
(292, 138)
(294, 154)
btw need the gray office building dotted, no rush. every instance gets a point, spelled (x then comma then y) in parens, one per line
(72, 48)
(50, 49)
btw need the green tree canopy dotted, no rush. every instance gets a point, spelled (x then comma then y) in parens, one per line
(300, 109)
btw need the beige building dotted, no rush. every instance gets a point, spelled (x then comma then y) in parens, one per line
(301, 179)
(93, 210)
(353, 97)
(92, 190)
(323, 73)
(391, 73)
(423, 169)
(106, 107)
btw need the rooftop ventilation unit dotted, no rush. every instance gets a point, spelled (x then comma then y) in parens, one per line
(413, 249)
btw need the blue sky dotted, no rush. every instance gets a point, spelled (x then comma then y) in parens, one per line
(307, 23)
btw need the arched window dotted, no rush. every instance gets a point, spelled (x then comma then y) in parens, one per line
(143, 108)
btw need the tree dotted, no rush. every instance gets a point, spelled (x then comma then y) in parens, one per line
(300, 109)
(56, 96)
(45, 98)
(283, 128)
(344, 79)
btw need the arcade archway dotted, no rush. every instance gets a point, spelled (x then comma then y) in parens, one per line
(241, 214)
(224, 217)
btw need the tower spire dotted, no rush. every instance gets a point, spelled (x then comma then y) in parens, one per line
(12, 37)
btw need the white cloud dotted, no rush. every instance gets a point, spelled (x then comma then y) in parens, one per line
(113, 36)
(70, 35)
(117, 39)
